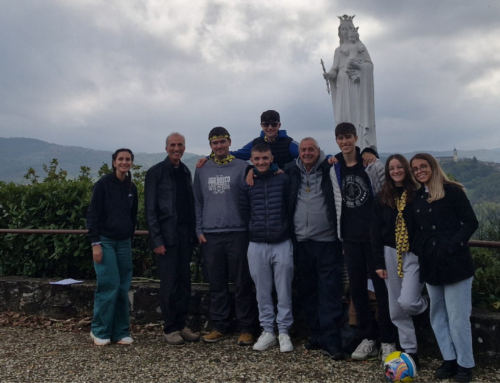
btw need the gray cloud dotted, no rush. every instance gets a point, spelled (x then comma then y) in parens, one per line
(108, 74)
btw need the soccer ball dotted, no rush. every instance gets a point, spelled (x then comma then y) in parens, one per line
(399, 367)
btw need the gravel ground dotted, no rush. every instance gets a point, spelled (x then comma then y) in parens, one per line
(51, 355)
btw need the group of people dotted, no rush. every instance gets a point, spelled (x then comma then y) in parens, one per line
(396, 228)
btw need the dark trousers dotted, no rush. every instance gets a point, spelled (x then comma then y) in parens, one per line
(359, 261)
(175, 280)
(225, 260)
(319, 270)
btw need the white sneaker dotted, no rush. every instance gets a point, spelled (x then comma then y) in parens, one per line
(285, 343)
(386, 349)
(265, 341)
(100, 342)
(127, 340)
(367, 349)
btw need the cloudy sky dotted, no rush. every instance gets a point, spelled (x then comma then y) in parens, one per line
(105, 74)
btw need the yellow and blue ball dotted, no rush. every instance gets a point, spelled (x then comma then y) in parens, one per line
(399, 367)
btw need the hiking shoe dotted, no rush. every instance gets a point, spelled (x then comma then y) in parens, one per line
(215, 336)
(334, 352)
(188, 335)
(367, 349)
(386, 349)
(447, 370)
(312, 344)
(285, 343)
(245, 339)
(174, 338)
(126, 340)
(463, 374)
(265, 341)
(100, 342)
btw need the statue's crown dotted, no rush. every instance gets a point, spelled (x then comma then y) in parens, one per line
(346, 19)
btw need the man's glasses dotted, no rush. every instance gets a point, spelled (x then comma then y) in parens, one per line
(266, 124)
(422, 168)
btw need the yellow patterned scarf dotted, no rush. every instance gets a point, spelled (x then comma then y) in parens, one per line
(402, 242)
(224, 161)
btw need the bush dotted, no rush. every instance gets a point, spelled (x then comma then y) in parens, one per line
(61, 203)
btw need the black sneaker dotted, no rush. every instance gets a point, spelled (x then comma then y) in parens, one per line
(463, 374)
(313, 344)
(334, 352)
(414, 356)
(447, 370)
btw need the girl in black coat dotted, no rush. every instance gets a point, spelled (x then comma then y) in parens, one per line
(111, 221)
(445, 222)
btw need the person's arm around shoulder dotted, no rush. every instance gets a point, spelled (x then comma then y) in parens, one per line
(244, 153)
(294, 148)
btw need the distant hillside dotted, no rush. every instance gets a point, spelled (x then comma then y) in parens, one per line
(486, 155)
(17, 155)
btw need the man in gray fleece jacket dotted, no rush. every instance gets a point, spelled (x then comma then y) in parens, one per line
(223, 237)
(317, 250)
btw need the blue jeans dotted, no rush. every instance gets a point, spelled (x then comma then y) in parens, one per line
(114, 275)
(451, 307)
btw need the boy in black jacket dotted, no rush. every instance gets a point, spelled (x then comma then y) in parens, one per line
(270, 252)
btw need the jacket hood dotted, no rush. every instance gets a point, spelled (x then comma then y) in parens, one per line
(341, 159)
(321, 158)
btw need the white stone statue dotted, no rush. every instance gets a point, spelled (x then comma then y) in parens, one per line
(351, 84)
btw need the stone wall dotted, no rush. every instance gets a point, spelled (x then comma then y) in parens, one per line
(37, 297)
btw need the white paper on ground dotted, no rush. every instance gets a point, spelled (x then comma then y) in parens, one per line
(68, 281)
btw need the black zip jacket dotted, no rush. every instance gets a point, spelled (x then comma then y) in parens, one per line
(160, 203)
(113, 209)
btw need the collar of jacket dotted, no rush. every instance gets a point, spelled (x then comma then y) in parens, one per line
(281, 133)
(273, 169)
(168, 164)
(341, 160)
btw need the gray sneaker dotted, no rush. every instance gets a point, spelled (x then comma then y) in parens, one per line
(265, 341)
(189, 336)
(386, 349)
(366, 350)
(174, 338)
(285, 343)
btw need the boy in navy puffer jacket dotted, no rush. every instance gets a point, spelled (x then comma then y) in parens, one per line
(270, 252)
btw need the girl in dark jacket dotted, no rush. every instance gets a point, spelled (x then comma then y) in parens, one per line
(111, 221)
(445, 222)
(392, 230)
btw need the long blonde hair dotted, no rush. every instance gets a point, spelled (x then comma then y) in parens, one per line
(438, 177)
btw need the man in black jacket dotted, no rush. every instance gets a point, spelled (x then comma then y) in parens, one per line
(169, 206)
(317, 248)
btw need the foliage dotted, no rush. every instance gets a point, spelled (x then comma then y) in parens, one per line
(486, 285)
(481, 180)
(61, 203)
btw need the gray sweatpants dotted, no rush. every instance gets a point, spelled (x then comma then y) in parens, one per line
(405, 297)
(268, 261)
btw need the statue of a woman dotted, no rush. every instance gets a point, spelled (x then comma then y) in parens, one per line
(351, 84)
